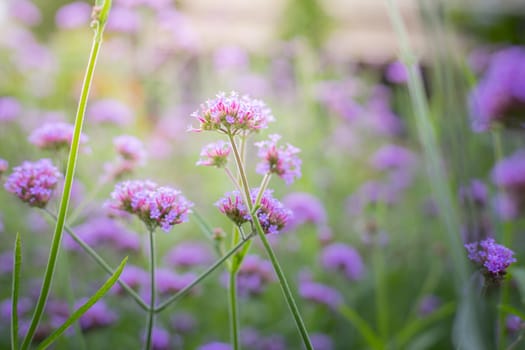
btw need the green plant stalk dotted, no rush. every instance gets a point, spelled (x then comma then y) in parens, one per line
(362, 327)
(242, 173)
(151, 311)
(381, 300)
(17, 264)
(64, 201)
(201, 277)
(101, 262)
(234, 312)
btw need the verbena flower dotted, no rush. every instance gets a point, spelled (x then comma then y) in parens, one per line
(189, 254)
(155, 206)
(33, 182)
(160, 339)
(253, 277)
(272, 214)
(321, 341)
(306, 208)
(73, 15)
(475, 192)
(393, 157)
(130, 148)
(135, 277)
(320, 293)
(168, 282)
(396, 73)
(342, 257)
(10, 108)
(54, 136)
(233, 114)
(98, 316)
(215, 154)
(215, 346)
(110, 111)
(282, 160)
(492, 258)
(183, 322)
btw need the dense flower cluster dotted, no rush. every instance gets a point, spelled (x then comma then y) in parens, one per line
(493, 258)
(233, 114)
(282, 160)
(34, 182)
(54, 136)
(272, 214)
(254, 275)
(155, 206)
(500, 95)
(215, 154)
(342, 257)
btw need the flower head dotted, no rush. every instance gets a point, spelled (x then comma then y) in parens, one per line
(339, 256)
(54, 136)
(215, 154)
(306, 208)
(393, 157)
(254, 275)
(233, 114)
(155, 206)
(188, 254)
(34, 182)
(320, 293)
(492, 258)
(282, 160)
(272, 214)
(110, 111)
(10, 108)
(73, 15)
(130, 148)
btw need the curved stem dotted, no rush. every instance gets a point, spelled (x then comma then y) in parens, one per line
(101, 262)
(64, 201)
(234, 313)
(264, 185)
(202, 276)
(151, 311)
(242, 173)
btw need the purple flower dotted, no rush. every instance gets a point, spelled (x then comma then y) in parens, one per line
(320, 293)
(73, 15)
(321, 341)
(428, 305)
(233, 114)
(513, 323)
(475, 192)
(492, 258)
(229, 58)
(4, 165)
(254, 275)
(130, 148)
(155, 206)
(160, 339)
(339, 98)
(9, 108)
(393, 157)
(54, 136)
(339, 256)
(123, 20)
(110, 111)
(168, 282)
(34, 182)
(215, 154)
(272, 214)
(183, 322)
(306, 208)
(98, 316)
(215, 346)
(379, 115)
(135, 277)
(509, 175)
(396, 73)
(282, 161)
(24, 307)
(26, 12)
(189, 254)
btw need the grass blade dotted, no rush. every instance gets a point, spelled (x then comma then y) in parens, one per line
(85, 307)
(17, 263)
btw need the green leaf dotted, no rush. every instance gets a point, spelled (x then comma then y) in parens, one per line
(362, 327)
(17, 263)
(512, 310)
(85, 307)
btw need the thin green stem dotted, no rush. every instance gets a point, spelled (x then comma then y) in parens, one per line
(151, 311)
(17, 262)
(242, 173)
(64, 201)
(202, 276)
(101, 262)
(380, 293)
(284, 285)
(92, 195)
(264, 184)
(234, 313)
(232, 178)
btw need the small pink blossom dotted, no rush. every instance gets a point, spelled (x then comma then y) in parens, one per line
(54, 136)
(130, 148)
(215, 154)
(280, 160)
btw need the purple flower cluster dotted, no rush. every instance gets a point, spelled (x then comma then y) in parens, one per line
(10, 108)
(396, 73)
(135, 277)
(342, 257)
(110, 111)
(169, 282)
(493, 258)
(215, 346)
(155, 206)
(233, 114)
(272, 214)
(475, 192)
(215, 154)
(130, 148)
(509, 175)
(282, 161)
(306, 208)
(254, 275)
(320, 293)
(393, 157)
(189, 254)
(33, 182)
(98, 316)
(73, 15)
(54, 136)
(501, 92)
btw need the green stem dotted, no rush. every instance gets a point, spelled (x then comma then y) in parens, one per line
(232, 178)
(102, 263)
(284, 285)
(202, 276)
(264, 184)
(242, 173)
(362, 327)
(234, 313)
(151, 311)
(64, 201)
(381, 293)
(17, 262)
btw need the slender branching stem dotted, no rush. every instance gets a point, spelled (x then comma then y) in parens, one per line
(151, 311)
(234, 313)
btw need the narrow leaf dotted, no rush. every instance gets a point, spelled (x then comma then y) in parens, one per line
(17, 263)
(84, 308)
(362, 327)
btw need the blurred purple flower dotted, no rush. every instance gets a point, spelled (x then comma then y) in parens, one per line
(123, 20)
(492, 258)
(215, 154)
(272, 342)
(54, 136)
(475, 192)
(73, 15)
(428, 305)
(24, 307)
(254, 275)
(393, 157)
(10, 108)
(26, 12)
(513, 323)
(110, 111)
(230, 58)
(233, 114)
(189, 254)
(339, 98)
(183, 322)
(379, 115)
(396, 73)
(134, 276)
(98, 316)
(342, 257)
(33, 182)
(130, 148)
(169, 282)
(306, 208)
(215, 346)
(371, 193)
(320, 293)
(282, 161)
(160, 339)
(509, 175)
(321, 341)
